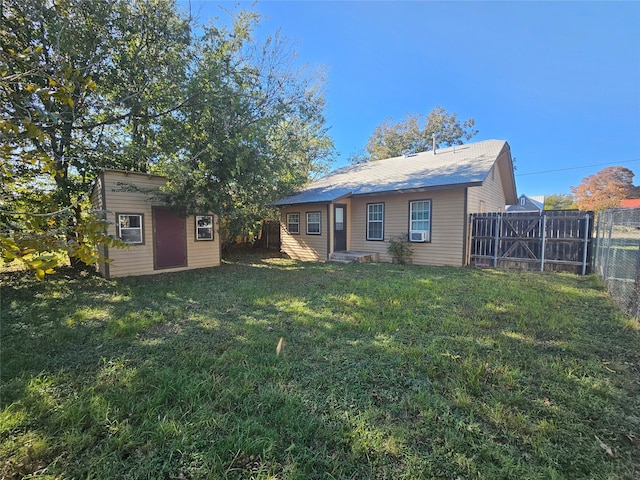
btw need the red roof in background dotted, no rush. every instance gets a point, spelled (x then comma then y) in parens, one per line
(630, 203)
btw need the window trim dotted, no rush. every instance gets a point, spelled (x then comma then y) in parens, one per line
(411, 202)
(197, 228)
(319, 222)
(292, 223)
(369, 239)
(141, 228)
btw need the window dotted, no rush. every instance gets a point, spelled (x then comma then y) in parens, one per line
(313, 223)
(204, 227)
(293, 222)
(375, 221)
(130, 228)
(420, 218)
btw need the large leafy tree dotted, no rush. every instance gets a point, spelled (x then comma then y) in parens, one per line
(135, 85)
(415, 134)
(605, 189)
(82, 83)
(256, 133)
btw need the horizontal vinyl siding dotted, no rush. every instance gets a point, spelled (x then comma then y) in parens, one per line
(139, 259)
(303, 246)
(491, 193)
(447, 226)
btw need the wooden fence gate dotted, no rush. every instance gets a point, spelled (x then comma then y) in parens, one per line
(553, 240)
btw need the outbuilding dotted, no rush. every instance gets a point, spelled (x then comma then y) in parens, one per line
(159, 239)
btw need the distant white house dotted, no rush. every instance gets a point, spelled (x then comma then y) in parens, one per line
(528, 204)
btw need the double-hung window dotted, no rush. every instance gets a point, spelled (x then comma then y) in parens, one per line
(313, 223)
(130, 228)
(293, 223)
(204, 227)
(375, 221)
(420, 221)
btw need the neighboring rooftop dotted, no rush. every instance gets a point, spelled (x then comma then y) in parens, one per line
(528, 203)
(462, 165)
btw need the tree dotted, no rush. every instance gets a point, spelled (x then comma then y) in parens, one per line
(559, 201)
(605, 189)
(134, 85)
(415, 134)
(257, 133)
(82, 82)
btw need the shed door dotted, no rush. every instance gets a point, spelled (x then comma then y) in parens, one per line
(340, 228)
(170, 244)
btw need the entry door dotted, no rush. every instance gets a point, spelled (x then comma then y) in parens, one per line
(170, 244)
(339, 228)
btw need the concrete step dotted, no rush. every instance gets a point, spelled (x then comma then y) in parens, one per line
(351, 257)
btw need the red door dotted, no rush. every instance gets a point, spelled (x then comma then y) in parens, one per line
(170, 244)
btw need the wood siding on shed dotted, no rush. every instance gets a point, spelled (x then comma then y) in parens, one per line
(114, 194)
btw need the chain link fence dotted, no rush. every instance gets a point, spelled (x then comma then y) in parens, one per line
(616, 257)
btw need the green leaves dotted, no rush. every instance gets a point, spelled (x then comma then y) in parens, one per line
(415, 134)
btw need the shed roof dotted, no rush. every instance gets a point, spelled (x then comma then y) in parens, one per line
(462, 165)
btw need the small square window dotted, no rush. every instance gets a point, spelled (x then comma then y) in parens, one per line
(293, 223)
(204, 227)
(313, 223)
(130, 228)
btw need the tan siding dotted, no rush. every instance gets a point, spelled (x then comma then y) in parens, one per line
(490, 194)
(139, 259)
(304, 246)
(447, 226)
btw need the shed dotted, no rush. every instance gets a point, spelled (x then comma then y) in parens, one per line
(159, 239)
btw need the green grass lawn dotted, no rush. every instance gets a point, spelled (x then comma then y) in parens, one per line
(386, 372)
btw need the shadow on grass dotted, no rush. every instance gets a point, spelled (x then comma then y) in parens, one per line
(386, 372)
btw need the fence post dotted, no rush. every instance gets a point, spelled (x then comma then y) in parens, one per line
(496, 239)
(543, 219)
(585, 244)
(605, 272)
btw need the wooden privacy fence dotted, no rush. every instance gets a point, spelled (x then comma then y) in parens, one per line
(553, 240)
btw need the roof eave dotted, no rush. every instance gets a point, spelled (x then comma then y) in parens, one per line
(449, 186)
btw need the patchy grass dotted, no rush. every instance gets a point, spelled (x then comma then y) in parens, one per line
(386, 372)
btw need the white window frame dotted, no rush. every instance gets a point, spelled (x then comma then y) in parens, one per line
(317, 222)
(376, 221)
(296, 223)
(121, 229)
(413, 223)
(205, 228)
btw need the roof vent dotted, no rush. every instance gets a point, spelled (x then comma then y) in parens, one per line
(409, 153)
(433, 138)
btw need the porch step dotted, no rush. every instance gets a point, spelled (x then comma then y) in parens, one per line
(353, 257)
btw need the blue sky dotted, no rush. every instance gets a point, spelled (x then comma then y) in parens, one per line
(560, 81)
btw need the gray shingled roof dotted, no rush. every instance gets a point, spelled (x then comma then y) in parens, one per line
(461, 165)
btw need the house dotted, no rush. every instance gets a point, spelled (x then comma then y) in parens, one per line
(527, 204)
(159, 240)
(427, 196)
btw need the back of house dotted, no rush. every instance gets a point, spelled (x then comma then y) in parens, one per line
(426, 197)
